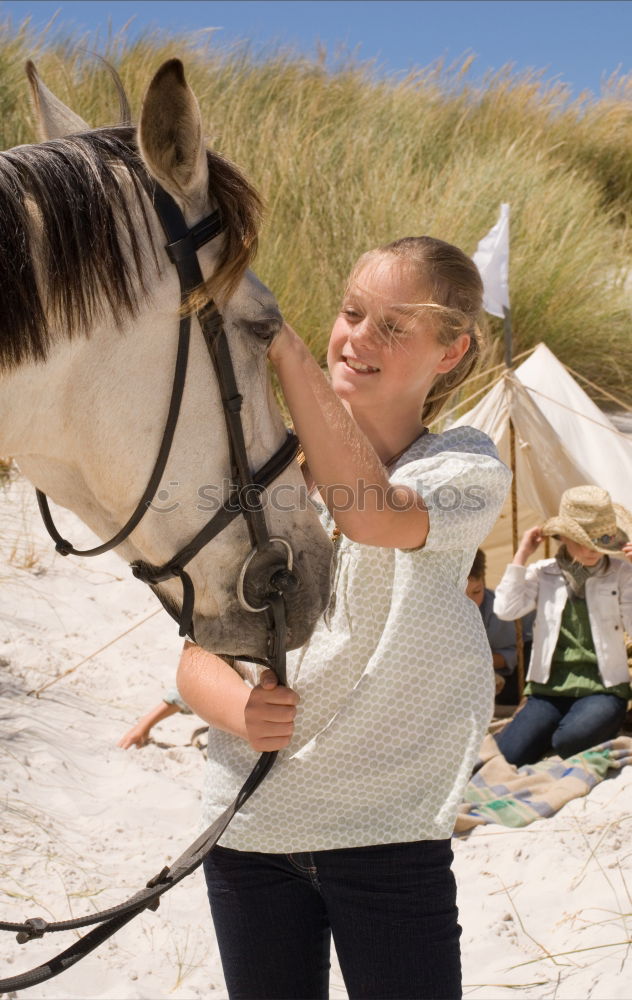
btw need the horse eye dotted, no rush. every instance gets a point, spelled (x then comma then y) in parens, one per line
(265, 329)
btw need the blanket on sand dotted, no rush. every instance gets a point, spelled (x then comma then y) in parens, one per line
(500, 793)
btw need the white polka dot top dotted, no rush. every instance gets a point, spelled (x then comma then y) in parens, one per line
(396, 683)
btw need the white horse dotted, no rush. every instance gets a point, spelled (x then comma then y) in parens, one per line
(88, 337)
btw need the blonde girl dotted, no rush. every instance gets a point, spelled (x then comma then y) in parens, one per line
(386, 705)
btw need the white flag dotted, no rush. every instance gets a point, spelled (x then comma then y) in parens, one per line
(492, 260)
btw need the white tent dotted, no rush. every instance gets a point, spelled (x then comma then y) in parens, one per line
(562, 439)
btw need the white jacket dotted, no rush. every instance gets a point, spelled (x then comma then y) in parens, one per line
(542, 586)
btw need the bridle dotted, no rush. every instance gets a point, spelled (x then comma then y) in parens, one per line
(182, 246)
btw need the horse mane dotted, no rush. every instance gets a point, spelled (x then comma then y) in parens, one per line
(63, 204)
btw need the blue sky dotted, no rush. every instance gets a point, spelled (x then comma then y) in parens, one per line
(578, 41)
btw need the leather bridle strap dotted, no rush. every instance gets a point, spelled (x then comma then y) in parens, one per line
(227, 513)
(66, 548)
(181, 251)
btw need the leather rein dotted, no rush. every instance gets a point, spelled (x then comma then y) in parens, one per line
(182, 246)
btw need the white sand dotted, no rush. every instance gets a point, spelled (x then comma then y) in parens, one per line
(84, 824)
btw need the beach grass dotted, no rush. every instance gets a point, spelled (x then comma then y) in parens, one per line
(6, 471)
(347, 159)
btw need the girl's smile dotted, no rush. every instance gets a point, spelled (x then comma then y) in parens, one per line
(359, 367)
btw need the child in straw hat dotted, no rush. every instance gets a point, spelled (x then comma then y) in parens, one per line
(578, 680)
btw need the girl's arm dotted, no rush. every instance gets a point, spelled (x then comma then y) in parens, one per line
(346, 469)
(139, 733)
(517, 592)
(529, 544)
(263, 716)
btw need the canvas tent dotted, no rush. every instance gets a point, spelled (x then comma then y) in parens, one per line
(562, 439)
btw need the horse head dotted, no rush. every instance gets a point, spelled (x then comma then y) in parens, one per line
(88, 342)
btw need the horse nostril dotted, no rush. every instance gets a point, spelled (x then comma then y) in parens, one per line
(284, 581)
(265, 328)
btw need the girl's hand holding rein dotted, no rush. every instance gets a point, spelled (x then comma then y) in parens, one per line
(263, 716)
(269, 714)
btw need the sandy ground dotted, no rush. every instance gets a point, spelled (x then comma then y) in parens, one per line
(546, 912)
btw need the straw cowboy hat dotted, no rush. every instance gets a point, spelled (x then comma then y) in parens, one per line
(588, 516)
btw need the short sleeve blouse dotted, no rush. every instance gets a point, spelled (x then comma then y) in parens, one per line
(396, 682)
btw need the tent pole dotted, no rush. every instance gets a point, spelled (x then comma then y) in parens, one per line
(508, 337)
(514, 493)
(514, 542)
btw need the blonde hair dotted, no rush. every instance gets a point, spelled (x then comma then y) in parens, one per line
(452, 291)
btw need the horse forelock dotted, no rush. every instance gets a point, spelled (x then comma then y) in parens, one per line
(74, 245)
(63, 264)
(241, 210)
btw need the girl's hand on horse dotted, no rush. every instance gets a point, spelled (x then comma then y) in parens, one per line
(269, 714)
(281, 343)
(627, 551)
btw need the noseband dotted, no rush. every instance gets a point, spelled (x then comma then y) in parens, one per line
(182, 246)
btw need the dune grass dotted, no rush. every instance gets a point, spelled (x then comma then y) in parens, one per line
(6, 471)
(346, 160)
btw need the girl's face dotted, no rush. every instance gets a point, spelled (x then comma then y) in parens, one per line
(581, 553)
(379, 355)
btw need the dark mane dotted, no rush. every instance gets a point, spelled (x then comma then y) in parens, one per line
(62, 202)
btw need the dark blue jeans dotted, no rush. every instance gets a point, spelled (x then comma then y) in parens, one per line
(563, 726)
(391, 910)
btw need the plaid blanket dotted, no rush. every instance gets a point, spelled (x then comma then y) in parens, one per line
(500, 793)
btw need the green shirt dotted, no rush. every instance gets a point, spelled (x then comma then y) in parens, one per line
(574, 668)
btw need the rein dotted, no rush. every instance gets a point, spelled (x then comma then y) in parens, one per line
(182, 246)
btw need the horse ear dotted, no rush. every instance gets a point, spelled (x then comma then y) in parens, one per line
(54, 119)
(170, 134)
